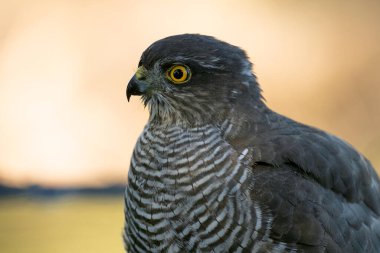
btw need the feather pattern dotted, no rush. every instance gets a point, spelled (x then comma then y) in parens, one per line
(186, 194)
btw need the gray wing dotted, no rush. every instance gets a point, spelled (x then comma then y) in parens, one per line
(324, 196)
(322, 157)
(311, 218)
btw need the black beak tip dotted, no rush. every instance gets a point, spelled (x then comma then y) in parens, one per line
(131, 88)
(128, 95)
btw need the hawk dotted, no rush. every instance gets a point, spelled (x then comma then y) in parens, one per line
(216, 170)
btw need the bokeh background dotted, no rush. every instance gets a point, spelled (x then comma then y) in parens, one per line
(65, 123)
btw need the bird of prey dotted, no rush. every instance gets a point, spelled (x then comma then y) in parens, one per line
(216, 170)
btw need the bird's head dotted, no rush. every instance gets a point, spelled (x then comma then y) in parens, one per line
(193, 79)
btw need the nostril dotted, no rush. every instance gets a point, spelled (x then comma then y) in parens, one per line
(141, 78)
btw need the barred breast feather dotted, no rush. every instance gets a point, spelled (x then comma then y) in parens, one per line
(188, 191)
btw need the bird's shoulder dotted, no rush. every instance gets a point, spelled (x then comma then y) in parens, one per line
(319, 156)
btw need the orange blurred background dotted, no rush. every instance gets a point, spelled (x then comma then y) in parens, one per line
(64, 66)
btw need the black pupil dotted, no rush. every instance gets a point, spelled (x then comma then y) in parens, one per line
(178, 74)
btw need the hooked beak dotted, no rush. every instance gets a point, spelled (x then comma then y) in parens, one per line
(137, 85)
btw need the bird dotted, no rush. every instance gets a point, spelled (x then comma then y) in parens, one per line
(216, 170)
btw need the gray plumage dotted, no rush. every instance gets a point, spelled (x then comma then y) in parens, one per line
(215, 170)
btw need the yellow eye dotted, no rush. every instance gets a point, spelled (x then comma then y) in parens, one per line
(178, 74)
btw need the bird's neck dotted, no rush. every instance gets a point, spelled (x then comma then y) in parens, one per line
(244, 122)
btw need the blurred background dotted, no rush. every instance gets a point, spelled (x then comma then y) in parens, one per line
(67, 131)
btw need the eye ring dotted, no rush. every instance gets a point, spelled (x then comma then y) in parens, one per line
(178, 73)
